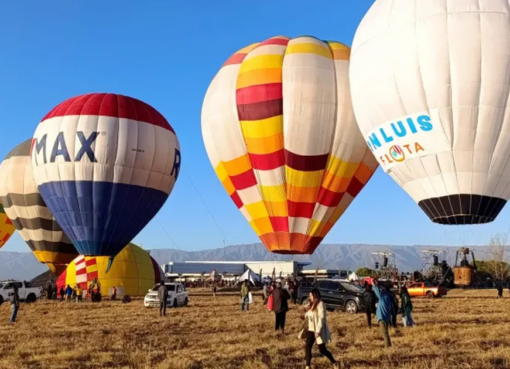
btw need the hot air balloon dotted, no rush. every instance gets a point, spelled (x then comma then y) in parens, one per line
(133, 273)
(104, 164)
(28, 212)
(6, 226)
(279, 130)
(429, 83)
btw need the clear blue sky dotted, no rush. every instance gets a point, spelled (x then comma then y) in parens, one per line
(166, 53)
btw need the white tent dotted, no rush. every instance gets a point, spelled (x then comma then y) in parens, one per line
(249, 275)
(354, 277)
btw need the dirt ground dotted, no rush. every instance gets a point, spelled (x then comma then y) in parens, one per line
(466, 329)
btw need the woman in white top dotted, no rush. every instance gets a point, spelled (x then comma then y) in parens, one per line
(318, 330)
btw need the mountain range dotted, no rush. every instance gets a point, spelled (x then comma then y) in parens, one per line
(24, 266)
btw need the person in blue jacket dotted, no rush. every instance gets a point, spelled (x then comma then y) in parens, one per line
(69, 293)
(383, 313)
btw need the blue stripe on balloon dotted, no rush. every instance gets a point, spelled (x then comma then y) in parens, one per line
(101, 218)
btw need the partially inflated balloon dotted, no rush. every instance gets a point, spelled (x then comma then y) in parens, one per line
(105, 164)
(133, 273)
(279, 129)
(430, 84)
(6, 227)
(28, 212)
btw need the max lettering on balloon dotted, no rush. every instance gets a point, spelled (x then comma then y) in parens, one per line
(399, 140)
(59, 148)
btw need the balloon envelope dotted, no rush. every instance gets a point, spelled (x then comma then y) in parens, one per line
(28, 211)
(430, 85)
(6, 226)
(279, 130)
(133, 272)
(105, 164)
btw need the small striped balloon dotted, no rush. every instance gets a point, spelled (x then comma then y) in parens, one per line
(105, 164)
(279, 129)
(29, 214)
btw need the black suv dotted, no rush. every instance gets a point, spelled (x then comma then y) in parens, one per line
(336, 294)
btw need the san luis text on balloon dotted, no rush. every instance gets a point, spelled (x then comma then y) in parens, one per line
(399, 129)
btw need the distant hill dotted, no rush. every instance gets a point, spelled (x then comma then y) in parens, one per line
(331, 256)
(20, 265)
(337, 256)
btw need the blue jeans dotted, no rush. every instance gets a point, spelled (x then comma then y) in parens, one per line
(407, 319)
(245, 303)
(14, 310)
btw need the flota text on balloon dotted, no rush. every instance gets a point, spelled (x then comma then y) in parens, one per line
(395, 141)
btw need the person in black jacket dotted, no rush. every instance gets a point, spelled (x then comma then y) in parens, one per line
(394, 309)
(162, 296)
(280, 306)
(14, 296)
(370, 301)
(500, 291)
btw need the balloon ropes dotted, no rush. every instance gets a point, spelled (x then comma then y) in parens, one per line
(104, 164)
(279, 130)
(431, 99)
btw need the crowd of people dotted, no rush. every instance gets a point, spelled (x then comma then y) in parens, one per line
(379, 301)
(76, 293)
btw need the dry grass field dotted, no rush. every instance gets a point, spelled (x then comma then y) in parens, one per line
(467, 329)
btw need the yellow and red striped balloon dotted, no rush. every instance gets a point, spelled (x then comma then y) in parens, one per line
(279, 129)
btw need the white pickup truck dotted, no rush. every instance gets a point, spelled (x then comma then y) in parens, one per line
(177, 296)
(25, 291)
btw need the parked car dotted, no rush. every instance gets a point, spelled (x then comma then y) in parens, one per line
(336, 294)
(177, 296)
(25, 291)
(425, 289)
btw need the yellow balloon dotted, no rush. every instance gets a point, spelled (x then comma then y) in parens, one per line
(6, 227)
(133, 272)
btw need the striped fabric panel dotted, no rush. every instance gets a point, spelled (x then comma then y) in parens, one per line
(81, 269)
(92, 270)
(231, 162)
(350, 165)
(260, 110)
(309, 110)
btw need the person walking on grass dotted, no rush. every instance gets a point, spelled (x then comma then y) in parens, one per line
(383, 313)
(280, 307)
(406, 308)
(500, 291)
(317, 329)
(370, 302)
(162, 296)
(14, 304)
(245, 296)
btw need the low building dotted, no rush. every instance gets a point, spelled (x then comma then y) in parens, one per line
(231, 270)
(324, 273)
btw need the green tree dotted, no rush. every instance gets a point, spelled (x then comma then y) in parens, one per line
(366, 272)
